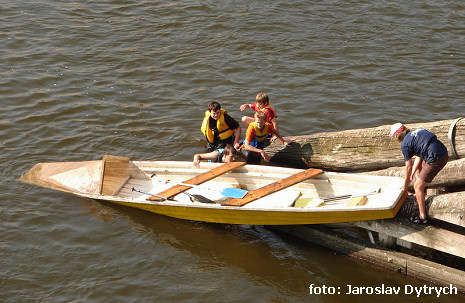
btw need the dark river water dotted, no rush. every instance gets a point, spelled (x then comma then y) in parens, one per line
(81, 79)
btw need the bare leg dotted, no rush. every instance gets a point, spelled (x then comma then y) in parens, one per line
(247, 120)
(419, 187)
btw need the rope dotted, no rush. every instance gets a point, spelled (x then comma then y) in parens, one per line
(451, 139)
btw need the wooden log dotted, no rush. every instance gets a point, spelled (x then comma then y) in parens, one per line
(446, 207)
(453, 174)
(361, 149)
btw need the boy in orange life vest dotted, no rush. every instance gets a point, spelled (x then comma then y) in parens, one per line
(262, 103)
(256, 135)
(220, 128)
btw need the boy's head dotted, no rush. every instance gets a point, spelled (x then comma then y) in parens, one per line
(229, 154)
(215, 110)
(398, 131)
(260, 119)
(262, 99)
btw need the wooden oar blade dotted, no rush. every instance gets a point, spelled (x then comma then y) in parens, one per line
(232, 192)
(274, 187)
(199, 198)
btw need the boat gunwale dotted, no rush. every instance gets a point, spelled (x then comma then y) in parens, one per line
(146, 167)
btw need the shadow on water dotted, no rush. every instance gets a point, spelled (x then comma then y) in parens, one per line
(222, 244)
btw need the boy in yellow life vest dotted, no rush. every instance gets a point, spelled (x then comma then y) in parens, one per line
(262, 103)
(256, 135)
(220, 128)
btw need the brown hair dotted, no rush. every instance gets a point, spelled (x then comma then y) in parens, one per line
(214, 106)
(401, 135)
(263, 99)
(260, 115)
(229, 150)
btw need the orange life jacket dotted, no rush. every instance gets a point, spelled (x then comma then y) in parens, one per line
(260, 135)
(271, 108)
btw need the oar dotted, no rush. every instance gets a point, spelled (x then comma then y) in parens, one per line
(198, 198)
(230, 192)
(193, 198)
(315, 202)
(350, 196)
(146, 193)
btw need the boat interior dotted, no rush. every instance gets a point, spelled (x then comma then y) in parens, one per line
(135, 181)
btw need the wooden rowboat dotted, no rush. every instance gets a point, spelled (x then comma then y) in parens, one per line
(276, 195)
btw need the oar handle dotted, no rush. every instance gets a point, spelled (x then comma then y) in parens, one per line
(146, 193)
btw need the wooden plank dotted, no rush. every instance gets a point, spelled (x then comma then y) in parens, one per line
(107, 160)
(199, 179)
(121, 185)
(274, 187)
(428, 236)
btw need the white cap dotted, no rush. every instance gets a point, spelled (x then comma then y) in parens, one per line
(396, 128)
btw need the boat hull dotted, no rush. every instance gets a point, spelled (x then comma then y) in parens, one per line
(114, 179)
(236, 215)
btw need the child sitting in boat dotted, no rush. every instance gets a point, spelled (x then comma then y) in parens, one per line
(222, 155)
(256, 135)
(220, 128)
(262, 103)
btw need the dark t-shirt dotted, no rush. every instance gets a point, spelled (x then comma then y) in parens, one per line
(422, 143)
(228, 119)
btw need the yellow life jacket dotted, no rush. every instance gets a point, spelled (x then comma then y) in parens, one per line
(260, 135)
(224, 131)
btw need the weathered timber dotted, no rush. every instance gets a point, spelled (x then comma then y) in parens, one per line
(427, 236)
(361, 149)
(446, 207)
(453, 174)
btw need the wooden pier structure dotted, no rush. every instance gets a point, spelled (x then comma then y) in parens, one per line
(434, 252)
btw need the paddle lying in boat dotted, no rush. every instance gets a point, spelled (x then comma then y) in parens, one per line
(274, 187)
(193, 198)
(204, 177)
(147, 193)
(357, 200)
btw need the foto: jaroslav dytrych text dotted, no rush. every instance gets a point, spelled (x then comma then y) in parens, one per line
(407, 289)
(383, 290)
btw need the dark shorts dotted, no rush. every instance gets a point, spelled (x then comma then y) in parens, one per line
(219, 144)
(430, 170)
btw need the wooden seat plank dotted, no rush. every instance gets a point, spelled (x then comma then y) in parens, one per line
(199, 179)
(274, 187)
